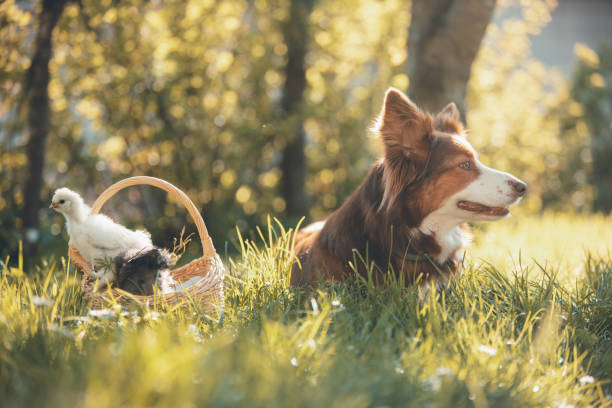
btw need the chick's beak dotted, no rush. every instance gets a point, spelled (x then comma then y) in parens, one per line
(53, 205)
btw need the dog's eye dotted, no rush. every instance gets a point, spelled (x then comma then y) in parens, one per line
(466, 165)
(62, 201)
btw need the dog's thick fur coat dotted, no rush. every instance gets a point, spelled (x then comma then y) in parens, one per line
(408, 216)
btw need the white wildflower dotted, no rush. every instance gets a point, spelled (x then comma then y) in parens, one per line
(41, 301)
(487, 350)
(587, 379)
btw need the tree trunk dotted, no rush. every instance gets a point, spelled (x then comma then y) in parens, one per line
(293, 163)
(37, 81)
(443, 40)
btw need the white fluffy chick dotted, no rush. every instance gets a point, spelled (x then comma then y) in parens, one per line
(97, 238)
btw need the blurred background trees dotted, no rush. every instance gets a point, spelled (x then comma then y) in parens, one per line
(293, 162)
(36, 85)
(592, 90)
(262, 107)
(449, 31)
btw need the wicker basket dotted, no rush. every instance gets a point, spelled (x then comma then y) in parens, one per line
(207, 292)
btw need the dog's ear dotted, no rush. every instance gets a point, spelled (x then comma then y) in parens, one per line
(451, 111)
(449, 120)
(406, 132)
(401, 123)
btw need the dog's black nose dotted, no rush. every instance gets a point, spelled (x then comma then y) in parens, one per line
(519, 187)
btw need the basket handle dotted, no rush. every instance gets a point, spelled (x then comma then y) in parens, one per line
(207, 246)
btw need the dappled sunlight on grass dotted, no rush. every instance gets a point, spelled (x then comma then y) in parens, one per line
(495, 337)
(559, 241)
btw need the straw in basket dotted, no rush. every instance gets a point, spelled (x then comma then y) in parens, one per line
(207, 292)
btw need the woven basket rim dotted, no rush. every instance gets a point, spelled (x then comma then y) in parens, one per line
(215, 282)
(205, 240)
(192, 291)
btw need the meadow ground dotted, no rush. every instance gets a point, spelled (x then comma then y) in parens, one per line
(529, 324)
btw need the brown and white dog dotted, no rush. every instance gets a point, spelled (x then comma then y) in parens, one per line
(409, 213)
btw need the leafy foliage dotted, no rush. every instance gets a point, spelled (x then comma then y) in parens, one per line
(592, 89)
(190, 91)
(512, 102)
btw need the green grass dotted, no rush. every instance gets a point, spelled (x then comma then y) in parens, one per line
(556, 240)
(505, 334)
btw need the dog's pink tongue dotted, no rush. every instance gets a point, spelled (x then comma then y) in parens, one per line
(482, 209)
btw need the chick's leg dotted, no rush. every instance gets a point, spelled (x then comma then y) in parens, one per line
(104, 274)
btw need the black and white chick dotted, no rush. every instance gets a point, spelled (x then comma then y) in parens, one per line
(138, 271)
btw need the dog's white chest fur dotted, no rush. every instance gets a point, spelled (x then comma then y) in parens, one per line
(447, 233)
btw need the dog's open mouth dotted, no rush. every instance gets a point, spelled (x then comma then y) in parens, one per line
(482, 209)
